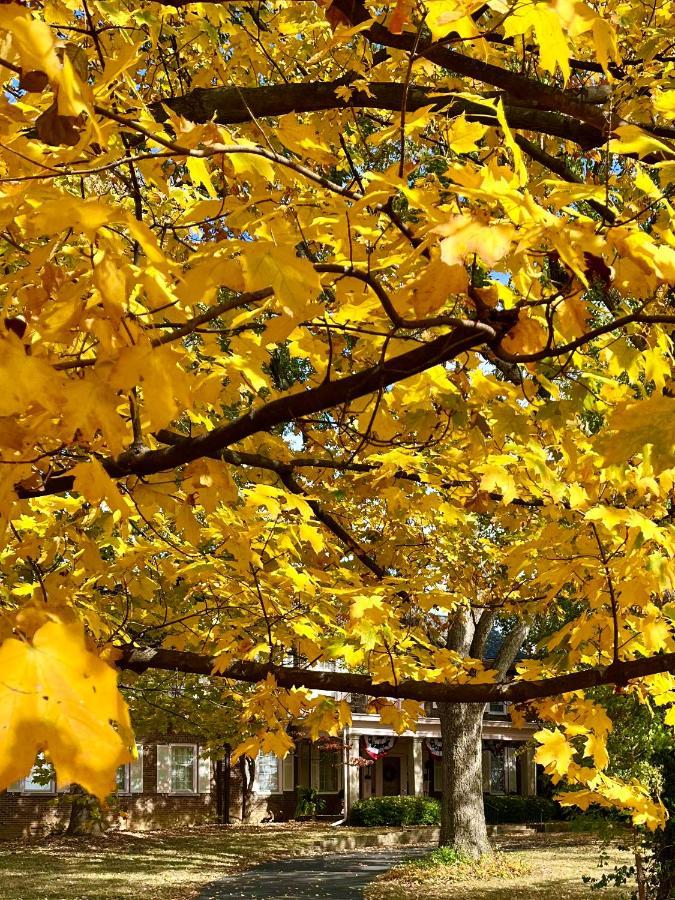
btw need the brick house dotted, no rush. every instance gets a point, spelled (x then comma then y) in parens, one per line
(388, 764)
(174, 782)
(171, 783)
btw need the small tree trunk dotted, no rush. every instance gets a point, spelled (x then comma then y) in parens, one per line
(85, 818)
(462, 812)
(247, 778)
(665, 862)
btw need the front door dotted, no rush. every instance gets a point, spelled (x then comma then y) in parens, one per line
(391, 776)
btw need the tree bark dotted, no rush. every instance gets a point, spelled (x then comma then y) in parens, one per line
(230, 105)
(462, 813)
(247, 777)
(463, 825)
(85, 819)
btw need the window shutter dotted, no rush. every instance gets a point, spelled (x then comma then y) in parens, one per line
(486, 771)
(163, 769)
(136, 772)
(315, 776)
(288, 772)
(204, 780)
(438, 776)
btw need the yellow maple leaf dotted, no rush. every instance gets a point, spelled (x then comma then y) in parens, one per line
(596, 748)
(58, 697)
(470, 234)
(294, 280)
(109, 279)
(555, 752)
(529, 335)
(572, 318)
(437, 283)
(497, 478)
(199, 173)
(93, 482)
(544, 22)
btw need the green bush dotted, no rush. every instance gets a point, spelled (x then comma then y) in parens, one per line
(396, 811)
(513, 809)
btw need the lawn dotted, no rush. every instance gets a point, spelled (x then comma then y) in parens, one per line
(175, 865)
(154, 866)
(557, 863)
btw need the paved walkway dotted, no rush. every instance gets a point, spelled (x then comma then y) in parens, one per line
(336, 876)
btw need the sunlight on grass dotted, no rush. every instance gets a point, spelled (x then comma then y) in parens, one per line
(531, 867)
(155, 866)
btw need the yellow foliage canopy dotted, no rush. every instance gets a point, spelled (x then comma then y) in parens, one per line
(323, 326)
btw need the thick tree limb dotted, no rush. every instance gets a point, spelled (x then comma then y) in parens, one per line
(514, 691)
(232, 105)
(326, 396)
(289, 408)
(511, 644)
(544, 96)
(482, 629)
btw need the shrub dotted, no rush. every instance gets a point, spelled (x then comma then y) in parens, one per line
(513, 809)
(396, 811)
(510, 809)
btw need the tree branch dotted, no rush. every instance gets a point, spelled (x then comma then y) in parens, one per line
(545, 96)
(514, 691)
(232, 105)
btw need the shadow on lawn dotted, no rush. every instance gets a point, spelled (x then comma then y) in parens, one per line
(155, 865)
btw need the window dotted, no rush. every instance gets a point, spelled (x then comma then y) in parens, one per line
(40, 780)
(123, 779)
(129, 777)
(497, 772)
(268, 774)
(183, 760)
(497, 709)
(329, 772)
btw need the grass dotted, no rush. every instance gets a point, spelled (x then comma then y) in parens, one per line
(528, 867)
(174, 865)
(445, 865)
(156, 865)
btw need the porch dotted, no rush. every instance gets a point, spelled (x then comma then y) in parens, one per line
(386, 766)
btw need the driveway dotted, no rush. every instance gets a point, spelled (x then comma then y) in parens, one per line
(336, 876)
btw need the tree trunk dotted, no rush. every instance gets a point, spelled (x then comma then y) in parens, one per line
(247, 778)
(665, 862)
(85, 815)
(462, 812)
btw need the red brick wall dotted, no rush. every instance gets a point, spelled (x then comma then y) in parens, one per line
(22, 815)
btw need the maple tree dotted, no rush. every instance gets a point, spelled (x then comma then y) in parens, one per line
(327, 327)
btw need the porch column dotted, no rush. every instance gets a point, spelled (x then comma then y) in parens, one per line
(353, 773)
(417, 768)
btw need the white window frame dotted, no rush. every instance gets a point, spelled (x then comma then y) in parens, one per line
(126, 790)
(195, 770)
(280, 777)
(42, 791)
(497, 712)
